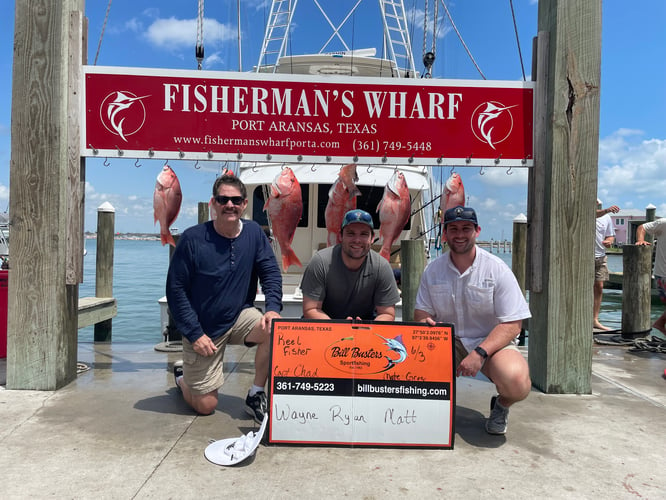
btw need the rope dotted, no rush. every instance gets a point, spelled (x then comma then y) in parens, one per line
(425, 26)
(515, 28)
(655, 344)
(453, 25)
(101, 35)
(199, 49)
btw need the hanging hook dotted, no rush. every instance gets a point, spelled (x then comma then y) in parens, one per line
(254, 167)
(509, 172)
(137, 164)
(481, 172)
(196, 165)
(452, 170)
(313, 168)
(106, 162)
(283, 166)
(369, 169)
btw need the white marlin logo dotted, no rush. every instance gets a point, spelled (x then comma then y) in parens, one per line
(487, 119)
(116, 107)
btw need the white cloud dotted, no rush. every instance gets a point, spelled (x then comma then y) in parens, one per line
(175, 33)
(632, 170)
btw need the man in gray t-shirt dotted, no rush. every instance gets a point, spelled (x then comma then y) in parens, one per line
(349, 280)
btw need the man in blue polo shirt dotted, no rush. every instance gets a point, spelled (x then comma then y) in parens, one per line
(211, 287)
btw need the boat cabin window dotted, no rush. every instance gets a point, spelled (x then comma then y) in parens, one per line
(368, 201)
(258, 201)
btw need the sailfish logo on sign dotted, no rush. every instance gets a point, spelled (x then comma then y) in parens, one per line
(493, 123)
(117, 112)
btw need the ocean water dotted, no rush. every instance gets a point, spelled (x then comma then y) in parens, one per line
(139, 279)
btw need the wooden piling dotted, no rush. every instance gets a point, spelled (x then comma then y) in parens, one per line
(636, 284)
(106, 215)
(43, 289)
(519, 261)
(412, 257)
(519, 249)
(650, 212)
(203, 211)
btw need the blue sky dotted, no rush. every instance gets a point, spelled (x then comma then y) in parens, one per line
(151, 33)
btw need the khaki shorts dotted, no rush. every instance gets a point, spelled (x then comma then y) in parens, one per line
(204, 374)
(461, 352)
(601, 268)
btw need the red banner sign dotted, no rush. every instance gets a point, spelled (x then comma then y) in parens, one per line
(144, 113)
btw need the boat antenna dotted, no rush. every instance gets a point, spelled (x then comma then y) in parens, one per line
(199, 49)
(515, 28)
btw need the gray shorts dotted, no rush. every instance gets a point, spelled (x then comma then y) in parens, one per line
(204, 374)
(601, 268)
(461, 352)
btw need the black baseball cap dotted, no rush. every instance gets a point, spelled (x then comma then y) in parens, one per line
(460, 213)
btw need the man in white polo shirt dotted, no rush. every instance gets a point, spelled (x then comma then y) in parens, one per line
(479, 294)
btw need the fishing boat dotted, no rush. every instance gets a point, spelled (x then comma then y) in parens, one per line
(316, 179)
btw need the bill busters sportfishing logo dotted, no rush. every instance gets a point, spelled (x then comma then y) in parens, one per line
(123, 113)
(366, 354)
(492, 122)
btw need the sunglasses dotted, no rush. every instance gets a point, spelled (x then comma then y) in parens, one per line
(358, 217)
(223, 200)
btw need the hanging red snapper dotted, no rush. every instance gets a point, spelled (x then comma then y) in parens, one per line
(394, 211)
(167, 198)
(285, 207)
(341, 199)
(453, 193)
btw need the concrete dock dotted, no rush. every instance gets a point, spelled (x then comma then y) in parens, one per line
(121, 430)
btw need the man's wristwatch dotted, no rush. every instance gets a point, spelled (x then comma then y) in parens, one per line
(481, 352)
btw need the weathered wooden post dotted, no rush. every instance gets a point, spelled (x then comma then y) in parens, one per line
(106, 216)
(650, 212)
(562, 191)
(202, 211)
(519, 259)
(44, 201)
(636, 285)
(412, 255)
(519, 249)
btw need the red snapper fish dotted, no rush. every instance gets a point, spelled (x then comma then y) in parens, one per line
(166, 202)
(285, 207)
(394, 211)
(341, 199)
(454, 192)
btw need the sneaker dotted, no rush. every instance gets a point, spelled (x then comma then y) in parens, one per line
(177, 371)
(257, 405)
(498, 419)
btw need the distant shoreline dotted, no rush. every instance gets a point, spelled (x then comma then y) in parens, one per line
(128, 236)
